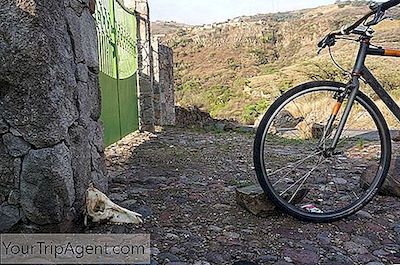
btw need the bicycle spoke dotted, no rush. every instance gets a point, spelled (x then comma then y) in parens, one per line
(291, 166)
(306, 176)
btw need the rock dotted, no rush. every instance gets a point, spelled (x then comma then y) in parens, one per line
(3, 126)
(10, 215)
(232, 235)
(253, 199)
(89, 42)
(220, 126)
(301, 256)
(155, 251)
(145, 211)
(380, 253)
(201, 263)
(391, 187)
(375, 263)
(324, 239)
(16, 146)
(340, 181)
(284, 120)
(354, 248)
(288, 259)
(177, 263)
(215, 228)
(14, 198)
(339, 259)
(168, 257)
(47, 185)
(82, 73)
(245, 129)
(15, 132)
(317, 131)
(194, 117)
(364, 215)
(171, 236)
(363, 241)
(153, 262)
(81, 161)
(175, 250)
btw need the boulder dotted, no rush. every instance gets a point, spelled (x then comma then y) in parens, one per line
(253, 199)
(391, 187)
(9, 215)
(16, 146)
(47, 185)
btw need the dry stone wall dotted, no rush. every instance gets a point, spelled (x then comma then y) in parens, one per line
(51, 139)
(155, 73)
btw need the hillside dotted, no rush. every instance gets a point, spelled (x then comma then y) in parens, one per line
(235, 69)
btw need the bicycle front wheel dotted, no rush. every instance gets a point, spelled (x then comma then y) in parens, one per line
(291, 155)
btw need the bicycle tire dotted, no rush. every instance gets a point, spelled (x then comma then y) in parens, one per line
(259, 159)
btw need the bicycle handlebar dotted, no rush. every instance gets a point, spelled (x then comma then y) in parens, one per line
(377, 10)
(329, 40)
(389, 4)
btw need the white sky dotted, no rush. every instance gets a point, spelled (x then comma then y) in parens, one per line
(209, 11)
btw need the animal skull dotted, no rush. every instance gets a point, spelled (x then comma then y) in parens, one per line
(101, 208)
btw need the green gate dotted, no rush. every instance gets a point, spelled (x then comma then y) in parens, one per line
(116, 30)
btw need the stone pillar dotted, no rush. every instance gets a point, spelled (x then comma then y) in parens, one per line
(145, 67)
(157, 93)
(51, 140)
(166, 62)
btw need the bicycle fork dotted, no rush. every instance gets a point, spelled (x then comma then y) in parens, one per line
(353, 88)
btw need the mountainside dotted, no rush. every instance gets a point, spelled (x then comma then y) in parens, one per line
(235, 69)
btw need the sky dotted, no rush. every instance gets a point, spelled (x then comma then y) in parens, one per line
(197, 12)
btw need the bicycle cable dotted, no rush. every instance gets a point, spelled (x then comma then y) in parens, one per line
(345, 72)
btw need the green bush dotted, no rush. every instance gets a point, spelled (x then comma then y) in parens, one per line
(260, 55)
(253, 111)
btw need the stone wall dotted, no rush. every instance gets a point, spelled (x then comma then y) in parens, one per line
(155, 73)
(51, 140)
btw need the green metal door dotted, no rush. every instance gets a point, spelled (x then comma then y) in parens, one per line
(116, 28)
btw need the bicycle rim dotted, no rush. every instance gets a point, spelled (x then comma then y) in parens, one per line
(295, 172)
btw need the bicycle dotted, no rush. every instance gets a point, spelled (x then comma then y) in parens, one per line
(323, 149)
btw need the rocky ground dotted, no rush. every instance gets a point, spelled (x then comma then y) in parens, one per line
(183, 182)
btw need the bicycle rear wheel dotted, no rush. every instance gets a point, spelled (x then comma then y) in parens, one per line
(292, 164)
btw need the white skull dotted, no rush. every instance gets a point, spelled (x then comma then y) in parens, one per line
(101, 208)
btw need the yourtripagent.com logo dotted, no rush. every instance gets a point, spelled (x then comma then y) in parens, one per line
(74, 249)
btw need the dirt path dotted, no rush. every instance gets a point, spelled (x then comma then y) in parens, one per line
(183, 182)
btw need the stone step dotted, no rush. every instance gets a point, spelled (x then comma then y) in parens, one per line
(253, 199)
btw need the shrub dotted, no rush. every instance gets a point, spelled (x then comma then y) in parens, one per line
(253, 111)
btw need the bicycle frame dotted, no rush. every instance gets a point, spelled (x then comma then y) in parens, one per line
(360, 70)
